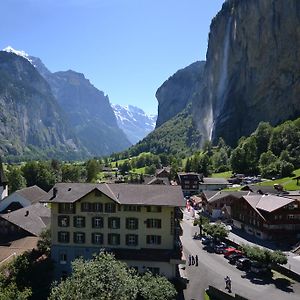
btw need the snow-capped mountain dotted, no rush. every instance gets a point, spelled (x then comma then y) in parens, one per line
(134, 122)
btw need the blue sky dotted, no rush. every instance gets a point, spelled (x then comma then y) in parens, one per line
(126, 48)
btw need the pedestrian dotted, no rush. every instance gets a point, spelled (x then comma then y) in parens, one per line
(228, 283)
(196, 257)
(190, 259)
(193, 260)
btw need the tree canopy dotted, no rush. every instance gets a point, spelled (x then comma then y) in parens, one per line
(106, 278)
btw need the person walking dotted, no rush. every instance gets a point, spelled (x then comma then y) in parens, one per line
(190, 259)
(196, 258)
(193, 260)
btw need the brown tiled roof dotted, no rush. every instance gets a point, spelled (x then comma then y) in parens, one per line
(32, 193)
(140, 194)
(33, 219)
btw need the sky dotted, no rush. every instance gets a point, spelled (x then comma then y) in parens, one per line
(126, 48)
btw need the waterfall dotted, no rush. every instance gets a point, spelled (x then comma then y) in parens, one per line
(223, 79)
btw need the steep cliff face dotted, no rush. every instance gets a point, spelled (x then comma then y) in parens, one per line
(252, 72)
(87, 109)
(30, 118)
(175, 93)
(89, 112)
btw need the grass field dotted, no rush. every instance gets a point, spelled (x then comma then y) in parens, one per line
(288, 183)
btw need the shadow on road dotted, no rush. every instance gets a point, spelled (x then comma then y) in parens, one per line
(282, 284)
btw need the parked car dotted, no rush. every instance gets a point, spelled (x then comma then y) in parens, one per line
(219, 249)
(207, 240)
(258, 268)
(234, 257)
(229, 251)
(243, 263)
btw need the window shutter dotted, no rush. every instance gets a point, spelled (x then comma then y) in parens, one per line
(74, 221)
(127, 239)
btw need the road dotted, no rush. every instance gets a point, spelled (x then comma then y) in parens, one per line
(213, 268)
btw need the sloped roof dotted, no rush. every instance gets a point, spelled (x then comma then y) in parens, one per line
(32, 193)
(267, 203)
(140, 194)
(160, 180)
(212, 196)
(270, 202)
(211, 180)
(33, 219)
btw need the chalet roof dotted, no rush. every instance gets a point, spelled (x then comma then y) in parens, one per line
(32, 193)
(211, 180)
(138, 194)
(213, 196)
(267, 203)
(163, 170)
(3, 178)
(34, 218)
(160, 180)
(260, 189)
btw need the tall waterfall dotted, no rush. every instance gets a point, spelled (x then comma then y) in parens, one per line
(223, 79)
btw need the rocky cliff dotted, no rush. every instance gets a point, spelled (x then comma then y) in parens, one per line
(87, 109)
(176, 92)
(89, 113)
(31, 121)
(252, 72)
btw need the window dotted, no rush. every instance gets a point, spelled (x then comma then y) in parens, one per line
(97, 207)
(63, 221)
(132, 223)
(153, 223)
(114, 223)
(85, 206)
(79, 221)
(63, 237)
(154, 239)
(132, 208)
(79, 237)
(97, 238)
(153, 208)
(131, 239)
(113, 239)
(66, 208)
(97, 222)
(63, 258)
(110, 207)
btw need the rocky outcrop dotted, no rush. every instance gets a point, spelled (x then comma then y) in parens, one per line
(31, 120)
(252, 72)
(175, 93)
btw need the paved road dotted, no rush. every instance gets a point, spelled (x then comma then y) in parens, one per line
(213, 268)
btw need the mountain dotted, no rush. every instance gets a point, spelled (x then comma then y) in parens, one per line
(251, 73)
(176, 92)
(177, 136)
(134, 122)
(86, 109)
(32, 123)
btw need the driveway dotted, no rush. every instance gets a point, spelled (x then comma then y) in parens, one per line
(213, 268)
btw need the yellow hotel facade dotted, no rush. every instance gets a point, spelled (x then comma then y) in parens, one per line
(140, 224)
